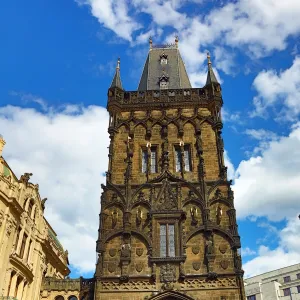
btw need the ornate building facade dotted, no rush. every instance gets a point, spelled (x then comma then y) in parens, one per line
(167, 224)
(29, 248)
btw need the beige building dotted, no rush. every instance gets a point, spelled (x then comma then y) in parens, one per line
(283, 284)
(29, 248)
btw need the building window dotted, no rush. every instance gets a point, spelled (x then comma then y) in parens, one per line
(72, 298)
(22, 250)
(298, 276)
(287, 279)
(298, 288)
(30, 206)
(167, 240)
(287, 292)
(164, 59)
(59, 298)
(252, 297)
(164, 85)
(149, 160)
(185, 155)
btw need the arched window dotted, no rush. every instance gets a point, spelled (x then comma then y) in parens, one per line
(30, 206)
(59, 298)
(72, 298)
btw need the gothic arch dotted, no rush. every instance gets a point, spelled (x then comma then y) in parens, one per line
(221, 231)
(168, 295)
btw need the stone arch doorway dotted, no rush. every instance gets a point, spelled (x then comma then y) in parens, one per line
(171, 295)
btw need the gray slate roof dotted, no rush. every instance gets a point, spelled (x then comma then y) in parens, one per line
(174, 69)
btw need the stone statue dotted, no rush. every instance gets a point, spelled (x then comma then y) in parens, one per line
(209, 246)
(193, 211)
(125, 250)
(219, 213)
(139, 215)
(114, 216)
(25, 178)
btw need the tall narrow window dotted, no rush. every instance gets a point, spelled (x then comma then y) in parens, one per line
(298, 288)
(287, 292)
(151, 161)
(253, 297)
(17, 238)
(167, 240)
(186, 156)
(23, 245)
(287, 278)
(30, 206)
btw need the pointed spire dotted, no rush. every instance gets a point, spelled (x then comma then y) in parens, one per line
(117, 78)
(150, 43)
(176, 41)
(211, 77)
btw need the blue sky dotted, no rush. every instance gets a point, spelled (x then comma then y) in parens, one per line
(57, 59)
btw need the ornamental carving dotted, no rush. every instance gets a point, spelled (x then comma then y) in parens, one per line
(196, 249)
(139, 266)
(9, 226)
(111, 267)
(166, 199)
(199, 283)
(126, 286)
(224, 263)
(223, 248)
(167, 273)
(196, 266)
(139, 251)
(112, 252)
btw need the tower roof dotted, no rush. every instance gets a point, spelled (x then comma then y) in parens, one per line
(116, 82)
(164, 63)
(211, 77)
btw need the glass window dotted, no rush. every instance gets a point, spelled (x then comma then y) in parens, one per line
(163, 85)
(153, 160)
(59, 298)
(287, 292)
(23, 245)
(167, 240)
(287, 278)
(186, 157)
(298, 288)
(30, 208)
(298, 276)
(252, 297)
(72, 298)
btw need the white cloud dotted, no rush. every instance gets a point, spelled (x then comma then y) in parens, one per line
(287, 253)
(268, 184)
(247, 252)
(66, 150)
(278, 88)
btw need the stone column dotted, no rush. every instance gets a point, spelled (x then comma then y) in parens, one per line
(5, 290)
(13, 285)
(20, 290)
(24, 291)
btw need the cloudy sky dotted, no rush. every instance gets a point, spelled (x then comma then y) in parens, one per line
(57, 59)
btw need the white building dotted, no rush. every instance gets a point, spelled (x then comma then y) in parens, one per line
(283, 284)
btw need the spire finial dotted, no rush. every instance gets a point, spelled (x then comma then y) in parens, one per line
(176, 41)
(208, 58)
(150, 42)
(118, 64)
(117, 78)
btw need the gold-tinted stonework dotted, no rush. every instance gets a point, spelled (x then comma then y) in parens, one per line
(167, 223)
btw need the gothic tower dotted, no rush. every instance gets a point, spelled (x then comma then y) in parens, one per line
(167, 224)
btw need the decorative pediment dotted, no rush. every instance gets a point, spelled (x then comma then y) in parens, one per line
(167, 197)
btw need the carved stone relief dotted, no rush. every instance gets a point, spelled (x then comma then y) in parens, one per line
(139, 266)
(112, 252)
(139, 251)
(223, 248)
(224, 263)
(196, 266)
(111, 267)
(167, 273)
(196, 249)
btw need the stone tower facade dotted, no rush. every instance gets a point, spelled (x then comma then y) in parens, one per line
(167, 224)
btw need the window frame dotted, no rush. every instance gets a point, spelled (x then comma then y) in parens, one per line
(298, 289)
(298, 275)
(288, 290)
(251, 297)
(144, 153)
(287, 279)
(167, 241)
(178, 158)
